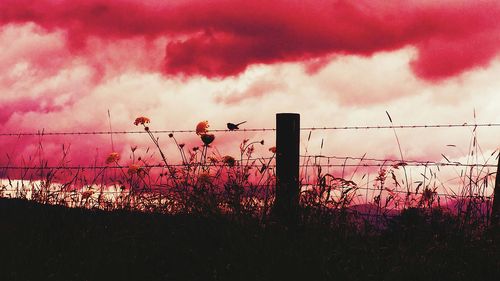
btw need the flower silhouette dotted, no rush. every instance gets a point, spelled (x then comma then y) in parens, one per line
(207, 139)
(133, 169)
(229, 160)
(112, 157)
(141, 120)
(87, 194)
(202, 128)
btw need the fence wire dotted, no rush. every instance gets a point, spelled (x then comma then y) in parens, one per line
(425, 126)
(85, 167)
(267, 163)
(422, 164)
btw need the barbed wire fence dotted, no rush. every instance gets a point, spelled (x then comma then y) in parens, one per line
(272, 162)
(42, 132)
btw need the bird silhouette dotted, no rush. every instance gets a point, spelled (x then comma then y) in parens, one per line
(233, 127)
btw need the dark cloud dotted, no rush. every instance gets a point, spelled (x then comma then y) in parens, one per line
(222, 38)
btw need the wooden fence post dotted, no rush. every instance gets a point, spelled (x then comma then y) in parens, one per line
(287, 166)
(495, 210)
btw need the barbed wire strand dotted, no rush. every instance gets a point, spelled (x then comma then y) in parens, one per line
(48, 133)
(421, 126)
(155, 190)
(425, 164)
(115, 167)
(397, 161)
(419, 164)
(411, 192)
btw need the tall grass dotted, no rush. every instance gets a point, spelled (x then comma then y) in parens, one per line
(207, 182)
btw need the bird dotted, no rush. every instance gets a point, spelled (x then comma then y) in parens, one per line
(233, 127)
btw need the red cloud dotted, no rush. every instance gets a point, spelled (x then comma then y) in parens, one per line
(222, 38)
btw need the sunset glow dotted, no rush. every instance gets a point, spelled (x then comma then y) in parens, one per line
(64, 64)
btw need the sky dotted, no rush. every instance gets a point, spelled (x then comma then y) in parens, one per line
(65, 63)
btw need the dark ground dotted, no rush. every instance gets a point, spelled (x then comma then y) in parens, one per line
(42, 242)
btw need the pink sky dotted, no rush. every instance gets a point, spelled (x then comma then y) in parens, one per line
(65, 63)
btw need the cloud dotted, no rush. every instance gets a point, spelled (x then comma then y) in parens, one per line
(360, 82)
(173, 104)
(254, 91)
(222, 38)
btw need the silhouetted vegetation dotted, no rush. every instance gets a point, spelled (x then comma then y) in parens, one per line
(46, 242)
(211, 218)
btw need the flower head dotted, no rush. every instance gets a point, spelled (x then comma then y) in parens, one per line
(202, 128)
(112, 157)
(207, 138)
(141, 120)
(229, 160)
(87, 194)
(133, 169)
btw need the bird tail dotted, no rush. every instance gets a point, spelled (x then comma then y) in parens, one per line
(241, 123)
